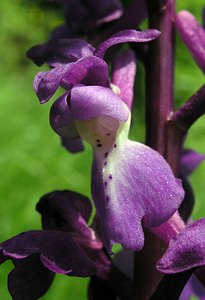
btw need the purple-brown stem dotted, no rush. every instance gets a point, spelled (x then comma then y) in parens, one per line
(159, 106)
(188, 113)
(178, 125)
(159, 73)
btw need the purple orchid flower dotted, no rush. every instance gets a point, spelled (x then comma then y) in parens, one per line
(66, 245)
(126, 174)
(193, 35)
(75, 61)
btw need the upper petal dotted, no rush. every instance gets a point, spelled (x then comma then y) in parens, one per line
(125, 36)
(193, 35)
(186, 251)
(133, 184)
(89, 102)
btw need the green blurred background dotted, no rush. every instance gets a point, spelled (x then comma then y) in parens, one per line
(32, 162)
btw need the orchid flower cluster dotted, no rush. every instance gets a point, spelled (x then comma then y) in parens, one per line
(141, 193)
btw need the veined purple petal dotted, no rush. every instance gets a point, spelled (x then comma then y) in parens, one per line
(190, 160)
(60, 249)
(29, 279)
(59, 52)
(65, 210)
(193, 35)
(193, 288)
(89, 102)
(132, 184)
(123, 75)
(186, 251)
(125, 36)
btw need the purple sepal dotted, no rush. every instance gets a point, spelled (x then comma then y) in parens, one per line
(87, 70)
(190, 160)
(125, 36)
(73, 145)
(125, 188)
(62, 122)
(193, 288)
(186, 251)
(46, 83)
(193, 35)
(124, 66)
(29, 279)
(61, 119)
(58, 52)
(88, 102)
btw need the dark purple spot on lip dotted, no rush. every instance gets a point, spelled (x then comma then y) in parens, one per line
(105, 183)
(115, 145)
(106, 154)
(108, 199)
(108, 134)
(99, 145)
(110, 176)
(105, 163)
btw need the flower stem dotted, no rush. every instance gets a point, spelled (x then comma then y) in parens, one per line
(188, 113)
(159, 106)
(159, 73)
